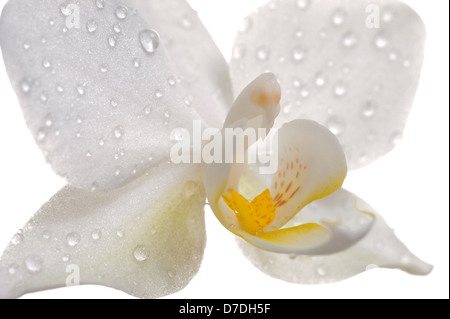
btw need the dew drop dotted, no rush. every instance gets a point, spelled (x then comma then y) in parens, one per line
(239, 52)
(41, 135)
(73, 239)
(13, 269)
(26, 46)
(118, 132)
(46, 235)
(381, 41)
(66, 10)
(120, 233)
(140, 254)
(100, 4)
(298, 54)
(246, 25)
(338, 17)
(186, 23)
(303, 4)
(137, 63)
(407, 64)
(117, 28)
(65, 258)
(96, 234)
(322, 270)
(103, 68)
(25, 86)
(17, 239)
(263, 53)
(171, 81)
(81, 91)
(33, 263)
(114, 103)
(46, 64)
(91, 26)
(369, 109)
(396, 138)
(159, 94)
(393, 56)
(59, 88)
(335, 125)
(101, 143)
(349, 40)
(43, 97)
(121, 12)
(112, 41)
(148, 110)
(48, 121)
(320, 80)
(88, 154)
(299, 34)
(149, 40)
(340, 89)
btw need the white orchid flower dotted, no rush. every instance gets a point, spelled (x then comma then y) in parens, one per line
(104, 84)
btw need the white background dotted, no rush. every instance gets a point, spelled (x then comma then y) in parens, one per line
(409, 187)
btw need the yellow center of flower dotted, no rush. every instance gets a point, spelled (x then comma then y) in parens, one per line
(253, 216)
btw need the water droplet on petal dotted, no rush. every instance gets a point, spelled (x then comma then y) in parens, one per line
(239, 52)
(381, 41)
(91, 26)
(149, 40)
(303, 4)
(263, 53)
(148, 110)
(65, 258)
(103, 68)
(339, 17)
(320, 80)
(159, 94)
(17, 239)
(66, 10)
(186, 23)
(26, 46)
(96, 235)
(120, 233)
(13, 269)
(46, 64)
(121, 12)
(349, 40)
(46, 235)
(81, 91)
(100, 4)
(340, 89)
(118, 132)
(322, 270)
(112, 41)
(140, 254)
(73, 239)
(117, 28)
(335, 125)
(298, 54)
(33, 263)
(25, 86)
(114, 103)
(246, 25)
(137, 63)
(396, 138)
(369, 109)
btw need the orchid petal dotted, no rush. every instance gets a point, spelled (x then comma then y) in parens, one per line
(199, 63)
(146, 239)
(379, 248)
(311, 165)
(353, 66)
(249, 112)
(101, 97)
